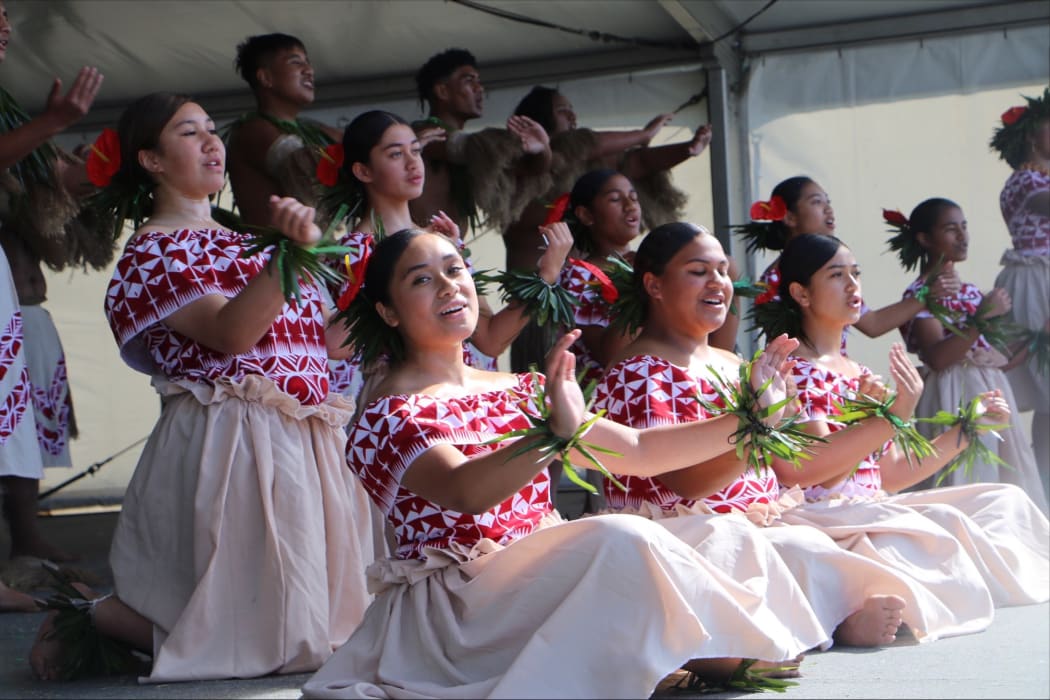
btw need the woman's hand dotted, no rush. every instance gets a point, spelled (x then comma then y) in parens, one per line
(995, 408)
(534, 138)
(871, 385)
(443, 225)
(995, 303)
(295, 220)
(557, 243)
(773, 364)
(909, 383)
(563, 393)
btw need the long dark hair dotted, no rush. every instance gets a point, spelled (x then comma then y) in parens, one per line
(359, 138)
(139, 129)
(538, 105)
(802, 257)
(773, 235)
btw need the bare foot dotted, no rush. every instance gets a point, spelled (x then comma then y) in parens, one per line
(873, 625)
(16, 601)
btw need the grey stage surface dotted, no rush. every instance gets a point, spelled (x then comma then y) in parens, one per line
(1009, 660)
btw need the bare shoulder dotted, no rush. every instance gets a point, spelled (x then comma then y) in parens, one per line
(254, 136)
(727, 358)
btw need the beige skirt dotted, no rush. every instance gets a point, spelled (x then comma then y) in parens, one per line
(944, 390)
(604, 606)
(835, 580)
(1004, 533)
(1027, 280)
(243, 536)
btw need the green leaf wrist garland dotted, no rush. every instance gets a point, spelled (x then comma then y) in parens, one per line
(1038, 345)
(546, 304)
(909, 440)
(756, 442)
(540, 437)
(967, 417)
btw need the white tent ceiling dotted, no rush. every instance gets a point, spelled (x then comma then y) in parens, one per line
(368, 50)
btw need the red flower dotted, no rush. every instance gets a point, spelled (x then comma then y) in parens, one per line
(608, 290)
(103, 160)
(894, 217)
(1013, 114)
(355, 275)
(773, 210)
(329, 164)
(771, 294)
(557, 209)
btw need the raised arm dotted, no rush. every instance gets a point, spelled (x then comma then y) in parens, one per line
(643, 161)
(61, 112)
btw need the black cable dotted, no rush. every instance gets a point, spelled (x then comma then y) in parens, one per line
(596, 35)
(90, 471)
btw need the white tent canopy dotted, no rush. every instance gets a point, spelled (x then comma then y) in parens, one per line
(884, 102)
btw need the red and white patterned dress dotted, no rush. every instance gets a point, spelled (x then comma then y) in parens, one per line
(1026, 278)
(465, 607)
(645, 391)
(240, 501)
(591, 310)
(977, 372)
(19, 451)
(395, 430)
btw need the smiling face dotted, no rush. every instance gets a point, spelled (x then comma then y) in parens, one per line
(190, 157)
(614, 216)
(834, 292)
(694, 291)
(289, 75)
(5, 31)
(395, 166)
(949, 239)
(812, 212)
(432, 295)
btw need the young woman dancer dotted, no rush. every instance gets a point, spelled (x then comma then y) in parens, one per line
(383, 166)
(1023, 141)
(491, 594)
(241, 547)
(933, 236)
(853, 480)
(666, 376)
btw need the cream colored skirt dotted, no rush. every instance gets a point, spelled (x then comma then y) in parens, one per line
(243, 537)
(835, 580)
(1027, 280)
(943, 390)
(604, 606)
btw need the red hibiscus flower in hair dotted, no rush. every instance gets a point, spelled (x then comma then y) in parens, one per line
(103, 160)
(557, 209)
(329, 164)
(601, 280)
(773, 210)
(894, 217)
(771, 294)
(1011, 115)
(355, 275)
